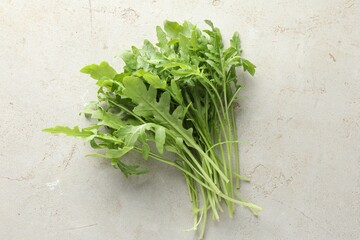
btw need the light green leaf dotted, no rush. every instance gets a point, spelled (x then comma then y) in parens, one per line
(160, 136)
(183, 72)
(152, 79)
(248, 66)
(173, 41)
(173, 28)
(112, 153)
(176, 92)
(176, 64)
(185, 45)
(141, 133)
(194, 40)
(145, 150)
(130, 60)
(235, 42)
(161, 35)
(75, 132)
(98, 72)
(131, 134)
(105, 118)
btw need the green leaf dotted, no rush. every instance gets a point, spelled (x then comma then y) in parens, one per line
(188, 27)
(214, 66)
(149, 108)
(131, 134)
(235, 42)
(130, 60)
(185, 46)
(119, 77)
(248, 66)
(109, 139)
(152, 79)
(173, 41)
(176, 92)
(98, 72)
(173, 29)
(112, 153)
(169, 65)
(145, 150)
(208, 22)
(105, 118)
(75, 132)
(183, 72)
(128, 169)
(160, 136)
(134, 134)
(161, 35)
(194, 40)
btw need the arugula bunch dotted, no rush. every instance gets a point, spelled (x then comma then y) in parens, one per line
(177, 95)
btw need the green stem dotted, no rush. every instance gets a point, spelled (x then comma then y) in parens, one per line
(171, 163)
(204, 210)
(236, 148)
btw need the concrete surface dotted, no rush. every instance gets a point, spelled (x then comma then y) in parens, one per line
(299, 122)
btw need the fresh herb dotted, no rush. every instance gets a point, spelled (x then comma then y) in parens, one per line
(179, 96)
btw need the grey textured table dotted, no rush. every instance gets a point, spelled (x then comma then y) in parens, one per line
(299, 122)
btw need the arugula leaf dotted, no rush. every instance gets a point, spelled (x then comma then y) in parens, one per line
(248, 66)
(149, 108)
(99, 72)
(173, 29)
(152, 79)
(104, 118)
(128, 169)
(112, 153)
(75, 132)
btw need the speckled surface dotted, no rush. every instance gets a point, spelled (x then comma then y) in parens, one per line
(299, 121)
